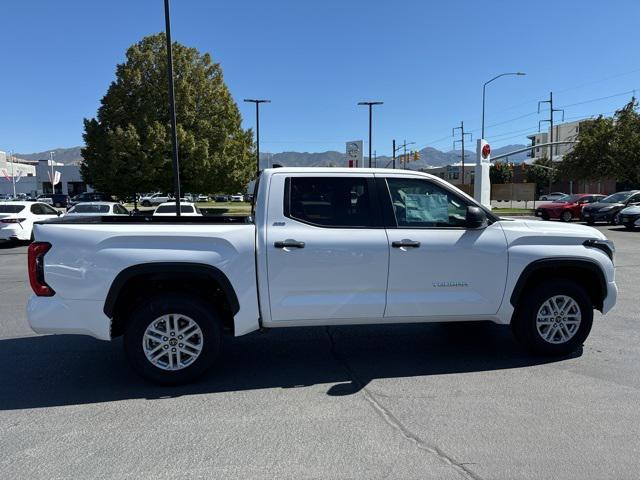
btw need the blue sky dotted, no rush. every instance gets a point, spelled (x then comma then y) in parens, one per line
(426, 60)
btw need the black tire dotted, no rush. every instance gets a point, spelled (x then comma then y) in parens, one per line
(591, 223)
(545, 216)
(524, 321)
(146, 203)
(566, 216)
(190, 306)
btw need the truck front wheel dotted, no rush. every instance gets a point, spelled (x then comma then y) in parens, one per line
(173, 339)
(553, 318)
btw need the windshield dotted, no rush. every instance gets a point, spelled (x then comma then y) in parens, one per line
(172, 209)
(85, 208)
(11, 208)
(616, 197)
(568, 199)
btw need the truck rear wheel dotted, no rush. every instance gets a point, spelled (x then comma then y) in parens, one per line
(173, 339)
(554, 319)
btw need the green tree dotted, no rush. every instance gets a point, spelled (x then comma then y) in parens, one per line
(593, 156)
(128, 144)
(500, 173)
(542, 172)
(625, 144)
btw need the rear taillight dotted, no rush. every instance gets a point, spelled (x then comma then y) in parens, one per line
(12, 220)
(36, 269)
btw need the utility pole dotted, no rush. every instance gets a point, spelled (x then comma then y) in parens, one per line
(462, 134)
(172, 109)
(370, 104)
(550, 120)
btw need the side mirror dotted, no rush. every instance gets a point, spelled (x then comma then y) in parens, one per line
(476, 217)
(59, 213)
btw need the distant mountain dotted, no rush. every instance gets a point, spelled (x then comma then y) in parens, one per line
(428, 157)
(68, 156)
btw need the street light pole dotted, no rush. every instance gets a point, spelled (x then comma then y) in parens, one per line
(172, 109)
(404, 145)
(370, 104)
(257, 102)
(394, 153)
(51, 175)
(484, 87)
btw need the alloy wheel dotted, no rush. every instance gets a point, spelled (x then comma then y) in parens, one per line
(172, 342)
(558, 319)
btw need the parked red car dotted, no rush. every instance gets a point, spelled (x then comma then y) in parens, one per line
(567, 207)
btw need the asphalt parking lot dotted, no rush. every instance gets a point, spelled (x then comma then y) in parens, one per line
(409, 402)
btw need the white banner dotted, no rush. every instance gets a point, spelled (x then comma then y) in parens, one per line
(56, 178)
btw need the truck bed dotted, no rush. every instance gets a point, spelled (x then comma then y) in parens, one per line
(141, 219)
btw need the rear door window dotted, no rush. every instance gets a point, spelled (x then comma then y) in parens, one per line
(329, 201)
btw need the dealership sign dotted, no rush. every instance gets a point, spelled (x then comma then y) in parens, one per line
(354, 153)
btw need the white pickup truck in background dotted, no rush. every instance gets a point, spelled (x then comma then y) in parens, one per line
(323, 246)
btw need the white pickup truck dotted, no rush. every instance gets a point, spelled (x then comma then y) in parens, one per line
(323, 246)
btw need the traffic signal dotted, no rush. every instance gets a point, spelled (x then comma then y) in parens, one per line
(416, 156)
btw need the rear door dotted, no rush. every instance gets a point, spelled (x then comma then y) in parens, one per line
(327, 250)
(437, 266)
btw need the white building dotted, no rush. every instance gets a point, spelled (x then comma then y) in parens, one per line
(563, 132)
(24, 172)
(71, 182)
(33, 177)
(453, 173)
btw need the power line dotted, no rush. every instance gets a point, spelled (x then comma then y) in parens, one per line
(599, 98)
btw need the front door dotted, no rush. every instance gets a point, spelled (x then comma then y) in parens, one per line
(327, 250)
(437, 266)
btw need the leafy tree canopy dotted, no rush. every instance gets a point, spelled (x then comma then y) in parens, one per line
(607, 148)
(501, 172)
(128, 144)
(542, 172)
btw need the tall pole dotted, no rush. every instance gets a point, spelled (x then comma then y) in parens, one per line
(13, 176)
(370, 115)
(394, 153)
(257, 102)
(51, 174)
(484, 88)
(257, 137)
(172, 109)
(370, 105)
(550, 120)
(462, 135)
(404, 156)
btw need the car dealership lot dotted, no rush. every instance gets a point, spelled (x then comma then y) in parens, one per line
(419, 401)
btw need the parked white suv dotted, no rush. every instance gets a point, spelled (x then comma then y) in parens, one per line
(155, 199)
(325, 246)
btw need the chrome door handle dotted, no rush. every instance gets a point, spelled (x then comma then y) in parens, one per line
(405, 243)
(288, 244)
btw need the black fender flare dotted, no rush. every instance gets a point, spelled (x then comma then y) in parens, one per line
(156, 268)
(557, 262)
